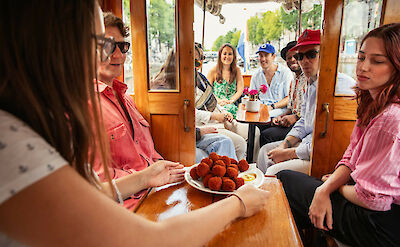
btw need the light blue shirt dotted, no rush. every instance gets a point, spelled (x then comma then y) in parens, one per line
(277, 90)
(345, 84)
(303, 128)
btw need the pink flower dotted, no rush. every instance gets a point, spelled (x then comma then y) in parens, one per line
(253, 92)
(263, 88)
(246, 90)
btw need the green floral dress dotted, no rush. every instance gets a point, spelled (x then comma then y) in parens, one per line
(225, 90)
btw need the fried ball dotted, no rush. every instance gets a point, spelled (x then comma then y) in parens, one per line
(225, 178)
(206, 178)
(232, 172)
(202, 169)
(228, 184)
(234, 166)
(214, 156)
(226, 160)
(215, 183)
(193, 173)
(239, 182)
(208, 161)
(233, 161)
(220, 163)
(218, 170)
(243, 165)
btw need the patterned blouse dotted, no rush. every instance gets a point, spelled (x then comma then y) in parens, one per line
(225, 90)
(296, 94)
(25, 158)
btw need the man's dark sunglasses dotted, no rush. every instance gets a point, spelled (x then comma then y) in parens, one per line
(123, 46)
(310, 54)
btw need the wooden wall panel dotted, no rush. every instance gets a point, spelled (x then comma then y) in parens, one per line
(341, 140)
(164, 110)
(167, 141)
(114, 6)
(345, 108)
(391, 11)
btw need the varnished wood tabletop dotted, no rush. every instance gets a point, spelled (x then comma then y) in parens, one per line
(273, 226)
(261, 117)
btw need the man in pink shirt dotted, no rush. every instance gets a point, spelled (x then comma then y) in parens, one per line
(131, 145)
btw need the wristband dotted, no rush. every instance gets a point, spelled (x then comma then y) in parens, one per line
(273, 106)
(241, 201)
(119, 196)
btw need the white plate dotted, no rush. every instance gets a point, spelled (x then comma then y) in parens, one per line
(198, 184)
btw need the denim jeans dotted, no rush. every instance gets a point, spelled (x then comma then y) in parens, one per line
(217, 143)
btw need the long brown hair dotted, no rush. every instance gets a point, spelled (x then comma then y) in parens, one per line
(46, 75)
(232, 68)
(369, 108)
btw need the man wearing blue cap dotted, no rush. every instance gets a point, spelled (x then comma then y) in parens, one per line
(276, 77)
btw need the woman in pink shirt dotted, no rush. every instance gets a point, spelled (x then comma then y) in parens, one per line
(359, 204)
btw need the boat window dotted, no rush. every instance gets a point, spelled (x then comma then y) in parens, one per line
(359, 17)
(161, 45)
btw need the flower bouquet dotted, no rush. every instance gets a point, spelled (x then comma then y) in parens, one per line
(254, 93)
(252, 104)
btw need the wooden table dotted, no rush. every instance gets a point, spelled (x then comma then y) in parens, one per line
(252, 118)
(273, 226)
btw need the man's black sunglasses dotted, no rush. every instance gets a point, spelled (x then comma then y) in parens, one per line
(310, 54)
(123, 46)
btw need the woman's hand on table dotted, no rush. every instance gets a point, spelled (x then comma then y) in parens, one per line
(164, 172)
(252, 199)
(321, 209)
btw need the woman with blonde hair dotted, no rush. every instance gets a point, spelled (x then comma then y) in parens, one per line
(50, 119)
(226, 79)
